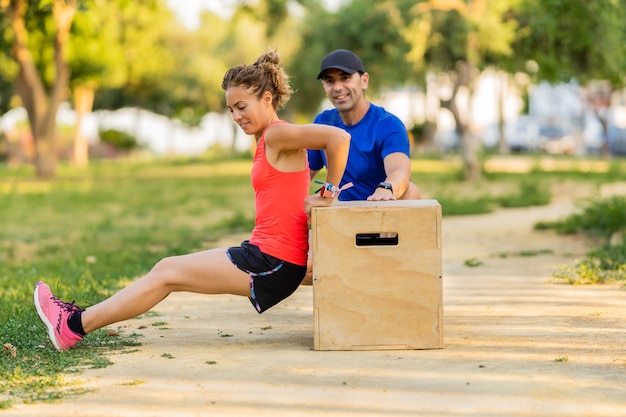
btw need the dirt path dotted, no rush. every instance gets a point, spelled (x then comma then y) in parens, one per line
(515, 345)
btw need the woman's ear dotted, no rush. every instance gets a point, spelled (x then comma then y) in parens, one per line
(267, 98)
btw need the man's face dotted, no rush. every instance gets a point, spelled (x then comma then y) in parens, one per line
(344, 90)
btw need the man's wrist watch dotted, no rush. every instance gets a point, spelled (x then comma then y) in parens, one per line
(386, 186)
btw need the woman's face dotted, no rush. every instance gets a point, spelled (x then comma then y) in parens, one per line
(253, 115)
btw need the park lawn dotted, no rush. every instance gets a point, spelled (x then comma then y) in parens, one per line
(87, 234)
(90, 232)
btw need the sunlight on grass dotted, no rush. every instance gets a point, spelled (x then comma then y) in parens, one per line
(526, 164)
(230, 169)
(574, 165)
(436, 166)
(35, 187)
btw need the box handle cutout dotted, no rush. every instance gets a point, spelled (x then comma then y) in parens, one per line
(376, 239)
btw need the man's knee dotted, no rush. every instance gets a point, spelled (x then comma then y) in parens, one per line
(411, 193)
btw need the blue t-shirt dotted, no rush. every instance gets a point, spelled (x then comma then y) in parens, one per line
(377, 135)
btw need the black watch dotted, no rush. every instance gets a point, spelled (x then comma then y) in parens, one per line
(385, 185)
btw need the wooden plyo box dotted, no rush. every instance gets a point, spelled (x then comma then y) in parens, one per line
(371, 293)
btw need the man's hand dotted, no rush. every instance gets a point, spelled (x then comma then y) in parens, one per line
(382, 194)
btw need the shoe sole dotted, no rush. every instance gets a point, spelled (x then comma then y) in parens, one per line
(45, 320)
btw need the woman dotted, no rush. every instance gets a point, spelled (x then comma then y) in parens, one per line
(271, 265)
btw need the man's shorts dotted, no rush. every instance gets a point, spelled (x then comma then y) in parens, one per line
(271, 279)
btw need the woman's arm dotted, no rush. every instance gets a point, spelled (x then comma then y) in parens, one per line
(286, 139)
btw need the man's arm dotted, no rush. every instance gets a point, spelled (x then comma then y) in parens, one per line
(398, 170)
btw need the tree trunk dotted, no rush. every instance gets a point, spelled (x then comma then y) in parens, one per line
(46, 156)
(468, 145)
(431, 106)
(83, 103)
(502, 78)
(601, 113)
(40, 106)
(599, 95)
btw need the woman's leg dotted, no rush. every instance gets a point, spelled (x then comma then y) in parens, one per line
(207, 272)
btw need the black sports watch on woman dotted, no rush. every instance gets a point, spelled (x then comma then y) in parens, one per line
(385, 185)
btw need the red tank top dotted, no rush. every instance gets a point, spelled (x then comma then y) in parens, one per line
(281, 227)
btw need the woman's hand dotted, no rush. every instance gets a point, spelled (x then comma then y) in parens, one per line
(315, 200)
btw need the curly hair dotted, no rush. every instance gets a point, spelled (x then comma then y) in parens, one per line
(264, 75)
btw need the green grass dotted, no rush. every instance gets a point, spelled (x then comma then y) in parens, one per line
(90, 232)
(87, 234)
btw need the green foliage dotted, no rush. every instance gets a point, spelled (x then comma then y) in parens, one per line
(590, 271)
(448, 39)
(371, 28)
(597, 217)
(119, 140)
(8, 69)
(606, 262)
(574, 39)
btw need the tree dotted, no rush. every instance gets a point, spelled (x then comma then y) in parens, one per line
(94, 56)
(143, 61)
(195, 84)
(41, 94)
(119, 57)
(402, 42)
(368, 27)
(576, 40)
(459, 39)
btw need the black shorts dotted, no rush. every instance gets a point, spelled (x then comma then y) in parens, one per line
(271, 279)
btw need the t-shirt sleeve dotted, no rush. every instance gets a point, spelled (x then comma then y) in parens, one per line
(316, 159)
(396, 138)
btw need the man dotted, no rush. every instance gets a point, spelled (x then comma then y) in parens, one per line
(379, 165)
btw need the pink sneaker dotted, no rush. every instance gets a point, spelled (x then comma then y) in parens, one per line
(54, 314)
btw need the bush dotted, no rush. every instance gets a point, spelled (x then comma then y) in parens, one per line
(599, 218)
(606, 262)
(118, 139)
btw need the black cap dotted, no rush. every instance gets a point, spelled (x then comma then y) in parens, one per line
(341, 59)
